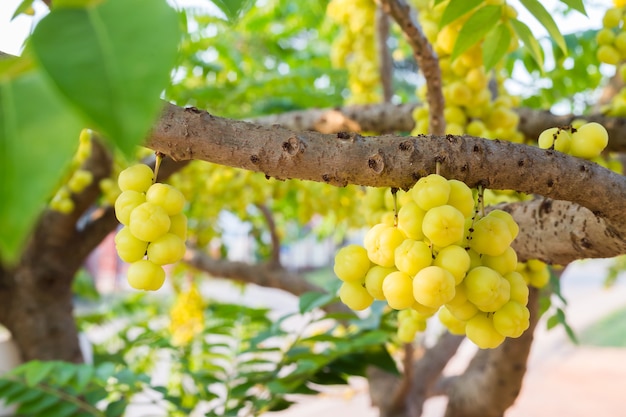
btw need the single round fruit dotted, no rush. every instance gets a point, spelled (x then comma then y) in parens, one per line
(461, 197)
(178, 225)
(145, 275)
(397, 288)
(589, 140)
(79, 180)
(167, 249)
(612, 17)
(484, 287)
(128, 247)
(149, 222)
(431, 191)
(519, 288)
(125, 203)
(444, 225)
(454, 259)
(512, 319)
(504, 263)
(608, 54)
(480, 330)
(381, 244)
(510, 221)
(351, 263)
(412, 256)
(433, 286)
(410, 219)
(137, 178)
(374, 280)
(167, 197)
(491, 236)
(355, 296)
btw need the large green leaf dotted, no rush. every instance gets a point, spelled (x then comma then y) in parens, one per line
(112, 61)
(576, 5)
(38, 135)
(541, 14)
(456, 9)
(495, 46)
(530, 41)
(233, 9)
(477, 26)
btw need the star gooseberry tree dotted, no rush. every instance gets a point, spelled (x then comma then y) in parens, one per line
(253, 98)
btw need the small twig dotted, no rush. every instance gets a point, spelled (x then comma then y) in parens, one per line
(386, 68)
(275, 239)
(425, 57)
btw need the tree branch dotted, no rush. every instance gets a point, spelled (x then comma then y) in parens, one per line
(384, 56)
(426, 60)
(275, 240)
(387, 117)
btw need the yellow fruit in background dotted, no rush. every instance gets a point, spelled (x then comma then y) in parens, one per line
(145, 275)
(612, 18)
(79, 180)
(355, 296)
(605, 36)
(351, 263)
(453, 324)
(397, 288)
(608, 54)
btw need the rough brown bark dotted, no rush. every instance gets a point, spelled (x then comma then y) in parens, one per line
(395, 161)
(426, 60)
(387, 117)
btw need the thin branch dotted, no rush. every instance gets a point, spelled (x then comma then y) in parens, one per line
(275, 239)
(384, 56)
(426, 59)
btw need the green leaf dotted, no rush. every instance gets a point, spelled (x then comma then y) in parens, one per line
(37, 371)
(233, 9)
(312, 300)
(496, 45)
(542, 15)
(530, 41)
(477, 26)
(38, 135)
(36, 406)
(116, 408)
(552, 322)
(576, 5)
(112, 62)
(83, 376)
(25, 7)
(438, 1)
(456, 9)
(60, 409)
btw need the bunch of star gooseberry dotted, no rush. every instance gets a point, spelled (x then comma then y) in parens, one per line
(444, 256)
(587, 141)
(154, 229)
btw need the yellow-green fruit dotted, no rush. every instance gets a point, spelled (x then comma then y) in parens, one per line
(433, 286)
(145, 275)
(491, 236)
(463, 311)
(504, 263)
(125, 203)
(128, 247)
(355, 296)
(167, 197)
(508, 219)
(79, 180)
(605, 36)
(149, 222)
(412, 256)
(431, 191)
(480, 330)
(410, 219)
(608, 54)
(374, 280)
(455, 115)
(461, 197)
(538, 279)
(408, 328)
(561, 139)
(484, 287)
(178, 225)
(519, 288)
(382, 244)
(612, 17)
(443, 225)
(454, 325)
(446, 38)
(454, 259)
(422, 310)
(460, 94)
(167, 249)
(351, 263)
(476, 79)
(589, 140)
(137, 178)
(512, 319)
(397, 288)
(620, 43)
(503, 296)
